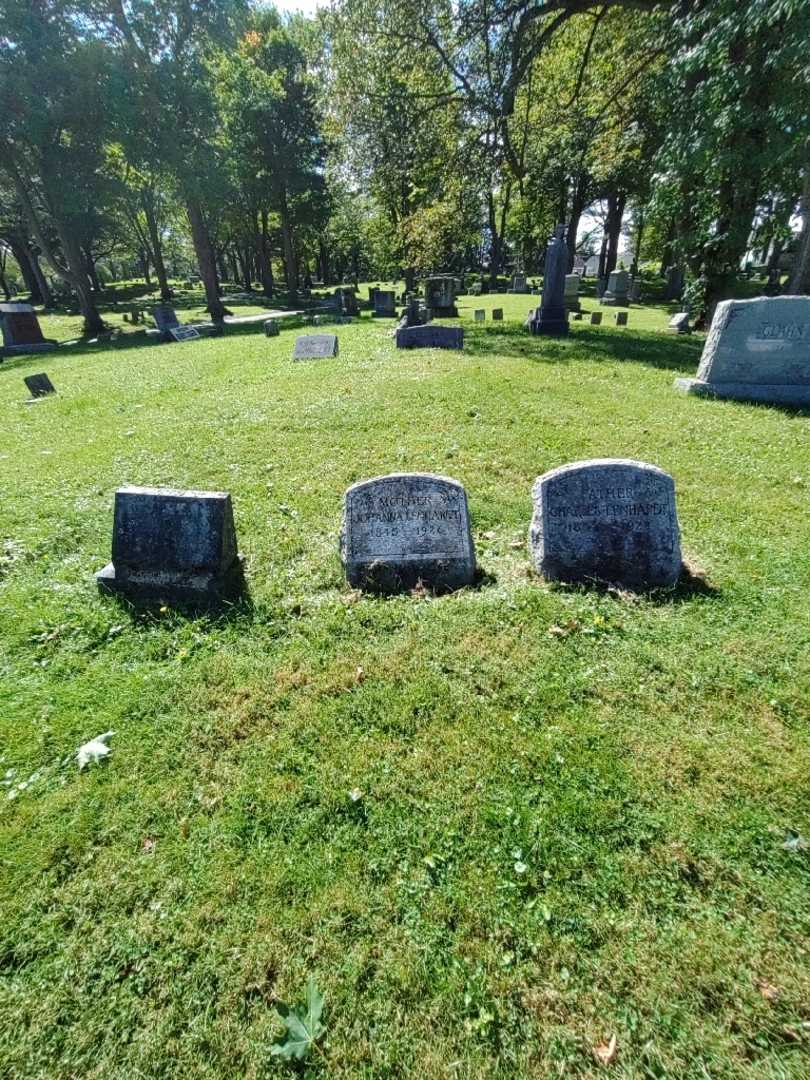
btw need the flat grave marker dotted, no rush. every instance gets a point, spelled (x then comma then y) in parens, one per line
(315, 346)
(407, 528)
(39, 385)
(596, 318)
(184, 333)
(497, 314)
(480, 315)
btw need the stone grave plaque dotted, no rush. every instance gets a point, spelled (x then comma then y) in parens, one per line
(184, 333)
(609, 520)
(39, 385)
(430, 337)
(480, 315)
(384, 304)
(621, 318)
(405, 528)
(596, 318)
(315, 346)
(174, 545)
(497, 314)
(680, 323)
(21, 331)
(756, 350)
(271, 328)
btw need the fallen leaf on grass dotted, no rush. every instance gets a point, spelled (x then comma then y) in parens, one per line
(768, 991)
(94, 750)
(303, 1028)
(148, 845)
(605, 1053)
(359, 675)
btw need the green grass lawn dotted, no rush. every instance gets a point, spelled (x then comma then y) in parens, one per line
(574, 805)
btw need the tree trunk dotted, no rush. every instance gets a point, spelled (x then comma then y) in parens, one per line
(3, 282)
(20, 253)
(324, 272)
(263, 257)
(157, 247)
(799, 283)
(206, 260)
(496, 244)
(42, 281)
(143, 257)
(577, 208)
(613, 228)
(92, 274)
(290, 265)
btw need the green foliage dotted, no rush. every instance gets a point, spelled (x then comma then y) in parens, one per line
(303, 1026)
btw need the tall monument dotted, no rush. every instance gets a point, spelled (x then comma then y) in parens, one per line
(551, 317)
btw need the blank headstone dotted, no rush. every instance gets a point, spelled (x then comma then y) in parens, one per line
(271, 328)
(756, 350)
(497, 314)
(315, 346)
(430, 337)
(39, 385)
(174, 545)
(407, 528)
(618, 289)
(606, 519)
(596, 318)
(621, 318)
(480, 315)
(384, 304)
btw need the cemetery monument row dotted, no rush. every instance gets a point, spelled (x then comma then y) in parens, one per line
(21, 331)
(405, 528)
(606, 519)
(756, 350)
(175, 545)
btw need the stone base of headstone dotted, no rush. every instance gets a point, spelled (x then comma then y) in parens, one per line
(549, 321)
(28, 350)
(610, 299)
(193, 589)
(769, 394)
(573, 305)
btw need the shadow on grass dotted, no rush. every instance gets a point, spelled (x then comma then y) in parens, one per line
(691, 585)
(238, 609)
(675, 353)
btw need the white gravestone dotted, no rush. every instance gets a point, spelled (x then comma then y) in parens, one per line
(315, 346)
(756, 350)
(609, 520)
(571, 295)
(405, 528)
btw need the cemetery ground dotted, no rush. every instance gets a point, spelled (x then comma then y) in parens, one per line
(499, 827)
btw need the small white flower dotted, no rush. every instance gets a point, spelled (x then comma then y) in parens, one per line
(94, 750)
(520, 867)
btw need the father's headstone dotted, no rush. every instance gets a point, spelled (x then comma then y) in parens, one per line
(618, 290)
(550, 317)
(384, 304)
(407, 528)
(315, 346)
(756, 350)
(173, 545)
(21, 331)
(39, 385)
(606, 519)
(430, 337)
(572, 292)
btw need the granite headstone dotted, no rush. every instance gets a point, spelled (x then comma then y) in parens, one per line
(430, 337)
(609, 520)
(551, 318)
(596, 318)
(39, 385)
(572, 292)
(497, 314)
(384, 304)
(617, 291)
(407, 528)
(315, 346)
(21, 331)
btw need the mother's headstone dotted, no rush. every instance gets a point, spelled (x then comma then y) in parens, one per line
(609, 520)
(756, 350)
(173, 545)
(407, 528)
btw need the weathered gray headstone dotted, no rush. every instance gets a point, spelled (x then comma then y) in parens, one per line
(551, 318)
(173, 545)
(384, 304)
(39, 385)
(440, 296)
(271, 328)
(405, 528)
(21, 331)
(497, 314)
(621, 318)
(635, 291)
(756, 350)
(618, 290)
(480, 315)
(519, 284)
(577, 316)
(346, 300)
(315, 346)
(680, 323)
(165, 320)
(430, 337)
(606, 519)
(572, 292)
(596, 318)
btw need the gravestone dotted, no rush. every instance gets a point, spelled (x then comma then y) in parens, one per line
(519, 284)
(673, 290)
(384, 304)
(596, 318)
(173, 545)
(635, 291)
(315, 346)
(346, 300)
(551, 318)
(618, 290)
(606, 519)
(577, 316)
(571, 294)
(430, 337)
(680, 323)
(621, 318)
(22, 334)
(184, 333)
(271, 328)
(407, 528)
(440, 296)
(480, 315)
(756, 350)
(497, 314)
(165, 320)
(39, 386)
